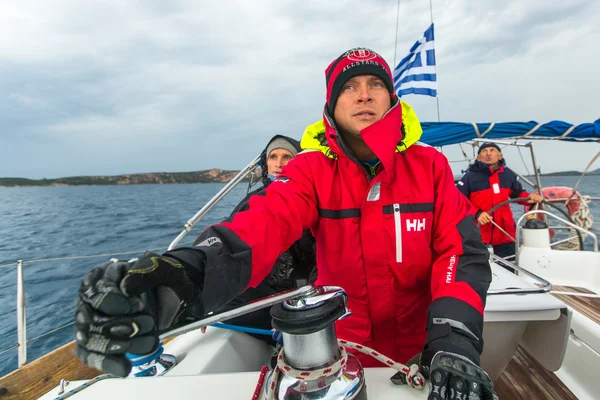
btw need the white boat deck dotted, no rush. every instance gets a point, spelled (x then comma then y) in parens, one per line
(540, 306)
(224, 386)
(225, 364)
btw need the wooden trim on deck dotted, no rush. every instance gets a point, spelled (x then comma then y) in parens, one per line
(525, 378)
(588, 306)
(44, 374)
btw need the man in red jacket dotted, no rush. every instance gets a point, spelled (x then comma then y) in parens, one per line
(390, 228)
(489, 182)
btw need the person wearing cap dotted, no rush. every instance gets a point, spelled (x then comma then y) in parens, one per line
(488, 182)
(279, 151)
(390, 228)
(296, 266)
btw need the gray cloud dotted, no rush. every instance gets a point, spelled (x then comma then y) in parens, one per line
(101, 87)
(489, 32)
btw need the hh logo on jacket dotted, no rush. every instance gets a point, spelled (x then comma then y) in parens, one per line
(415, 224)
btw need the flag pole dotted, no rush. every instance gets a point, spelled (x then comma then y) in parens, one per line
(396, 42)
(437, 95)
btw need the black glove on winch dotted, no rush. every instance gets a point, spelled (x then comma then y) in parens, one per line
(123, 306)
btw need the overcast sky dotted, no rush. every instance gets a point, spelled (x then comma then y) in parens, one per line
(109, 87)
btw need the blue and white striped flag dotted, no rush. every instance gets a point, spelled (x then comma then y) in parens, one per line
(415, 74)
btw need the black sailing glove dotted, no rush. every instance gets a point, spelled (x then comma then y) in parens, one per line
(452, 364)
(455, 377)
(452, 376)
(123, 306)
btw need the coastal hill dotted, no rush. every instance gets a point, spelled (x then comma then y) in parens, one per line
(572, 173)
(214, 175)
(207, 176)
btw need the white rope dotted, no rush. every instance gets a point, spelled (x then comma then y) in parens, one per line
(530, 132)
(476, 129)
(564, 135)
(84, 385)
(480, 135)
(463, 151)
(412, 372)
(583, 218)
(488, 129)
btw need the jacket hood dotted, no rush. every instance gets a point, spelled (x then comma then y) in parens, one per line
(263, 156)
(395, 132)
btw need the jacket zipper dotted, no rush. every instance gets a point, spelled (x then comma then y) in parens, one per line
(398, 228)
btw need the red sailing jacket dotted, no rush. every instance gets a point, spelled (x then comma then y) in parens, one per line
(486, 188)
(403, 244)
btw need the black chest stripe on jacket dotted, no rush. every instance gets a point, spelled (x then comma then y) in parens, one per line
(409, 208)
(339, 214)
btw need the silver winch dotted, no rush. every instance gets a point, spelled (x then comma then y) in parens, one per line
(310, 343)
(306, 318)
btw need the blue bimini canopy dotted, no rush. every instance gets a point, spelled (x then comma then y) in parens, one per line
(446, 133)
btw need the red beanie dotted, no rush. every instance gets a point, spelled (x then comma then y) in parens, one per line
(354, 62)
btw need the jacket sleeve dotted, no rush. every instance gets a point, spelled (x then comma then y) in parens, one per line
(461, 273)
(229, 257)
(296, 266)
(516, 189)
(244, 204)
(464, 186)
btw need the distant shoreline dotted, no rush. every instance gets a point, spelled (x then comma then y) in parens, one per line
(214, 175)
(563, 174)
(154, 178)
(131, 184)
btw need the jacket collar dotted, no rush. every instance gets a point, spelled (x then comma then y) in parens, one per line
(395, 132)
(479, 166)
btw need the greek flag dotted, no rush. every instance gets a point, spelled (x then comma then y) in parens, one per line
(415, 74)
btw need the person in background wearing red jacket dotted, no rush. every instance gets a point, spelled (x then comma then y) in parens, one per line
(489, 182)
(390, 228)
